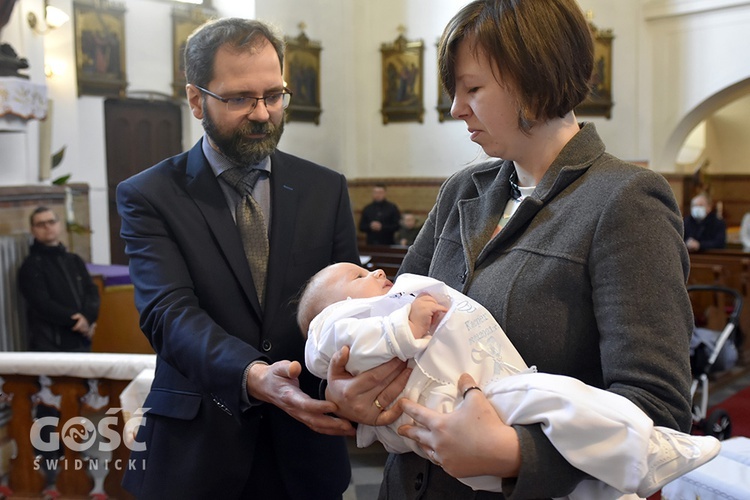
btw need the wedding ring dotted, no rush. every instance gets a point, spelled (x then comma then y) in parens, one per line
(471, 389)
(435, 460)
(378, 405)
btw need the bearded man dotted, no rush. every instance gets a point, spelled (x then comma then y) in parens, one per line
(221, 238)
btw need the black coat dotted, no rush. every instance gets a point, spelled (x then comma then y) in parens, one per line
(387, 214)
(711, 232)
(56, 285)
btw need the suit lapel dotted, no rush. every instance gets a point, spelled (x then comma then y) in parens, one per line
(204, 188)
(285, 201)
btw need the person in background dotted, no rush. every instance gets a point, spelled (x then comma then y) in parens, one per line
(62, 300)
(704, 229)
(408, 231)
(232, 413)
(745, 232)
(380, 219)
(577, 255)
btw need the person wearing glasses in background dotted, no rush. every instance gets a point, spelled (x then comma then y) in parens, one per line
(232, 413)
(62, 301)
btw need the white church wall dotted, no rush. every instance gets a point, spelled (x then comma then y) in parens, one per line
(699, 64)
(669, 56)
(352, 137)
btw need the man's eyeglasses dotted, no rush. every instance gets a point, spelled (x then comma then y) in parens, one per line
(246, 104)
(43, 223)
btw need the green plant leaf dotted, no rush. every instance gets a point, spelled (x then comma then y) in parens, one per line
(77, 228)
(57, 158)
(60, 181)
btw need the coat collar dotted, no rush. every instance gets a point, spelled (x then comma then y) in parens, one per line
(479, 215)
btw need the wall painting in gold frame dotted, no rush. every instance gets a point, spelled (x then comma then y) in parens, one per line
(185, 19)
(302, 74)
(599, 101)
(402, 80)
(100, 48)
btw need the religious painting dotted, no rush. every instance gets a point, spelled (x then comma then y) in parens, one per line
(185, 20)
(402, 80)
(302, 74)
(599, 101)
(100, 48)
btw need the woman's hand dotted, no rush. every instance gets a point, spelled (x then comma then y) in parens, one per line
(470, 441)
(368, 397)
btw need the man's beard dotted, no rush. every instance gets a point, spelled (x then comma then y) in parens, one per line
(237, 147)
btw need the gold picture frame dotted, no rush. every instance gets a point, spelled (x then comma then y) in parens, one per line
(100, 48)
(185, 20)
(403, 82)
(302, 74)
(599, 101)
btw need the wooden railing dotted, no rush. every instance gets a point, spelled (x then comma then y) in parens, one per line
(64, 428)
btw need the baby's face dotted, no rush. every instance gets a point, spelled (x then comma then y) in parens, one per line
(348, 280)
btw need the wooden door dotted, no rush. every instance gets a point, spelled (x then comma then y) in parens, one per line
(139, 133)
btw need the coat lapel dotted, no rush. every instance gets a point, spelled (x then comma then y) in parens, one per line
(285, 201)
(563, 172)
(204, 188)
(478, 216)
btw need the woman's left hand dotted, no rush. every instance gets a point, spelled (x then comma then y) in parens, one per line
(470, 441)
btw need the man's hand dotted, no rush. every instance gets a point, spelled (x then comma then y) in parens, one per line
(366, 398)
(82, 324)
(90, 333)
(693, 245)
(278, 384)
(376, 226)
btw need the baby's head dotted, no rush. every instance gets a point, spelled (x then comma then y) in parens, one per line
(335, 283)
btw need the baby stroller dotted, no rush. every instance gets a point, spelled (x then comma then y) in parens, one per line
(713, 351)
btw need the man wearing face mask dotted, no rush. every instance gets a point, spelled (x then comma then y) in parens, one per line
(704, 230)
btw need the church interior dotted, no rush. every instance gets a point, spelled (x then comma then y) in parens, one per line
(79, 114)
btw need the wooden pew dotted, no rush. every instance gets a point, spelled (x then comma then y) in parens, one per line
(117, 329)
(387, 258)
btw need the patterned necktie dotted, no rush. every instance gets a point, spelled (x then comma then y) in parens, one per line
(252, 224)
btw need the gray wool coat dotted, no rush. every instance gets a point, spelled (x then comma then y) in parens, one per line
(587, 279)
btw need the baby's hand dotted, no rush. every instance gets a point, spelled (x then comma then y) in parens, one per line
(425, 314)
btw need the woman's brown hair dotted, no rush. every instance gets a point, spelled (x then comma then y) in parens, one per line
(543, 48)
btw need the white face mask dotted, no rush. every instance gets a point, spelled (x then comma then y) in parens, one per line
(698, 212)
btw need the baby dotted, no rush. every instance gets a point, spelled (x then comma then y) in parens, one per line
(442, 334)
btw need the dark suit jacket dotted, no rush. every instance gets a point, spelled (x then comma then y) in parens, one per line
(200, 311)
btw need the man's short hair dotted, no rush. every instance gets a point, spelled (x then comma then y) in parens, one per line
(240, 34)
(38, 210)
